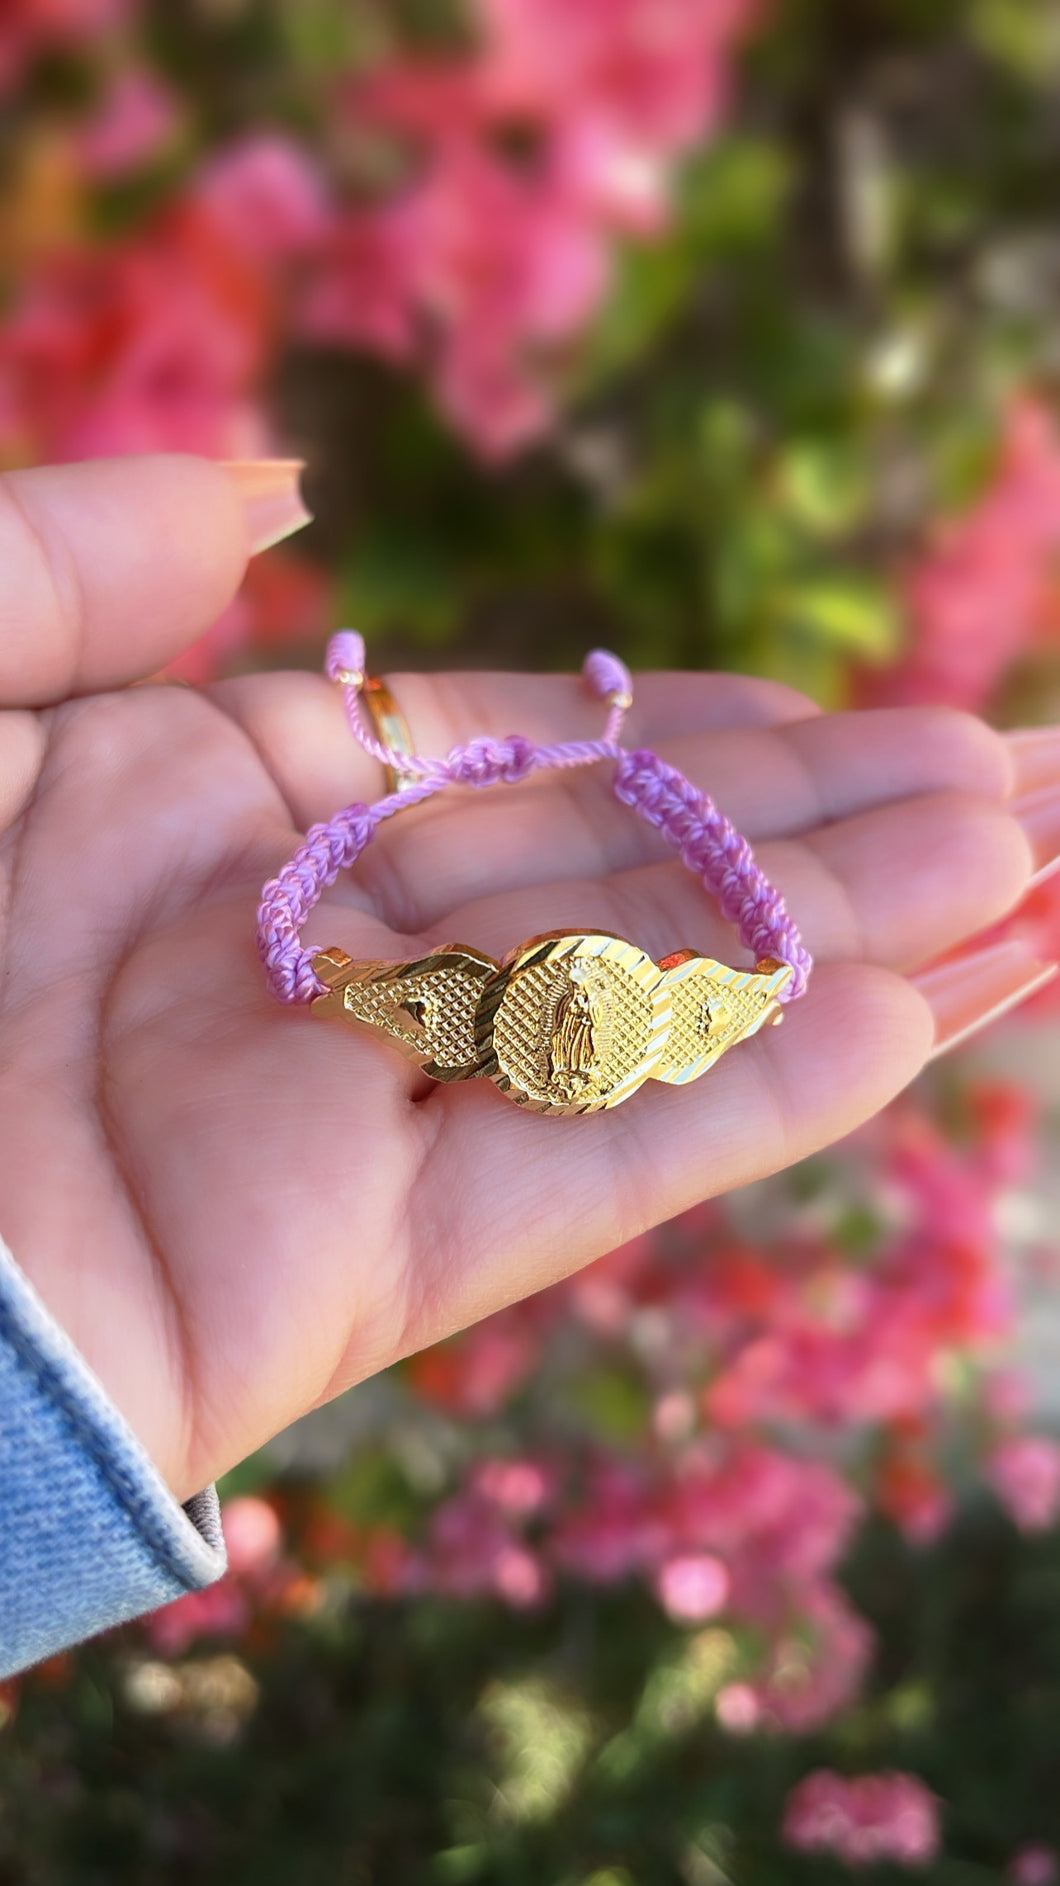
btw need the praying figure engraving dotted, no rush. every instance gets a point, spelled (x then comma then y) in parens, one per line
(574, 1056)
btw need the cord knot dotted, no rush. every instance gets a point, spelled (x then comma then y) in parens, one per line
(487, 762)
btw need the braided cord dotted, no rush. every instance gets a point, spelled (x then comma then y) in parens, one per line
(705, 840)
(723, 861)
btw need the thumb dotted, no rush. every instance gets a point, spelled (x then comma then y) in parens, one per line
(109, 569)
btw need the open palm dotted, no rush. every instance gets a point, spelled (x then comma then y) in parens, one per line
(234, 1211)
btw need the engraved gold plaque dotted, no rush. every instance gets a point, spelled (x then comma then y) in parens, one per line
(426, 1008)
(571, 1022)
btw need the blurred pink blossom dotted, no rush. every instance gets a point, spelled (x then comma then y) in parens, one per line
(655, 71)
(135, 120)
(252, 1535)
(1025, 1474)
(692, 1586)
(910, 1489)
(519, 163)
(737, 1708)
(889, 1816)
(817, 1667)
(477, 1371)
(221, 1610)
(520, 1487)
(153, 344)
(266, 196)
(1033, 1865)
(976, 598)
(472, 1552)
(358, 294)
(526, 159)
(613, 1527)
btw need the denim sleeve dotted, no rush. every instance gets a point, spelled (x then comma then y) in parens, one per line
(90, 1534)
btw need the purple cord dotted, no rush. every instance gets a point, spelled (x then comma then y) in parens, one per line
(688, 820)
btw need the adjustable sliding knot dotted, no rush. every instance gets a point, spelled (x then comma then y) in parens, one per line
(489, 762)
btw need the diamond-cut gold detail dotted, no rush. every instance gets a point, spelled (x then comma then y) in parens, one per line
(439, 1006)
(712, 1007)
(570, 1023)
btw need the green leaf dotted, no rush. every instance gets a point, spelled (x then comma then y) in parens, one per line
(823, 486)
(730, 201)
(399, 581)
(612, 1402)
(849, 613)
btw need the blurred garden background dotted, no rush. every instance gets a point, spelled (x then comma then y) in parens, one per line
(725, 333)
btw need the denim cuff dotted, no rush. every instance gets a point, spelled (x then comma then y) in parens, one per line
(90, 1535)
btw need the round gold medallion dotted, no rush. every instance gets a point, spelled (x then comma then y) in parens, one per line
(571, 1024)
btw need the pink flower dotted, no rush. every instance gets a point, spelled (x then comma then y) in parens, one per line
(1025, 1475)
(471, 1552)
(613, 1528)
(266, 197)
(976, 597)
(136, 119)
(655, 70)
(521, 163)
(778, 1522)
(476, 1372)
(815, 1669)
(692, 1587)
(360, 292)
(909, 1487)
(252, 1535)
(488, 261)
(222, 1610)
(1033, 1865)
(888, 1816)
(155, 343)
(737, 1708)
(518, 1487)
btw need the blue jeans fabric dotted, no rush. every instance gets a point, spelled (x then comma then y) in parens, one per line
(91, 1534)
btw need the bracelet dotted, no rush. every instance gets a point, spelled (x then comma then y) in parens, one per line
(571, 1021)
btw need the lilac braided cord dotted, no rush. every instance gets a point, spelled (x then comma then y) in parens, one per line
(687, 819)
(722, 860)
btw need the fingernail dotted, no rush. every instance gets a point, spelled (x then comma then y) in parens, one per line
(272, 500)
(972, 990)
(1039, 815)
(1035, 754)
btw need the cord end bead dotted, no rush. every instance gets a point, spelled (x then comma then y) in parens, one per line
(345, 660)
(609, 679)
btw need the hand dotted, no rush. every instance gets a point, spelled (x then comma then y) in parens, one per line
(236, 1212)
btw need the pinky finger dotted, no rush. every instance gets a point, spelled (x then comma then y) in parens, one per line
(978, 986)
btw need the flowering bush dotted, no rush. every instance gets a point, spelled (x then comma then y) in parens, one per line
(580, 330)
(875, 1817)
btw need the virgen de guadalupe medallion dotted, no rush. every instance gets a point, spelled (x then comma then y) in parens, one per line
(568, 1023)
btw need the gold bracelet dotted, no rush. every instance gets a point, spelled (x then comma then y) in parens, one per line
(568, 1023)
